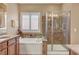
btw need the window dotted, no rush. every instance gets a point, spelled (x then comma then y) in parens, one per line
(25, 22)
(30, 21)
(34, 22)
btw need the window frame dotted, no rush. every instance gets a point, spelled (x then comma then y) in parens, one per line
(30, 13)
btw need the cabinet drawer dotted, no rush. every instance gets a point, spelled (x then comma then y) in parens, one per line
(11, 41)
(3, 45)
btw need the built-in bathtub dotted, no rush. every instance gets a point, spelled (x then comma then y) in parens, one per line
(30, 46)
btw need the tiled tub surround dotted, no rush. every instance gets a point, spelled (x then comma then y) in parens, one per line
(30, 34)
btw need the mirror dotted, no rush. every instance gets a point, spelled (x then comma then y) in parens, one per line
(2, 19)
(3, 24)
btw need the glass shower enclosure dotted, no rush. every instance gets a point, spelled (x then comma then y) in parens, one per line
(57, 28)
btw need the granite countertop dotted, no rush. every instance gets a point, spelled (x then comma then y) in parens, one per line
(74, 47)
(7, 37)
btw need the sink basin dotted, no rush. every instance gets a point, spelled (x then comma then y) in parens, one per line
(4, 36)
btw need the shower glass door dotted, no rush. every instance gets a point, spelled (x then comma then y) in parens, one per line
(58, 27)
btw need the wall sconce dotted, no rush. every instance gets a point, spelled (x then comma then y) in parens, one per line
(49, 16)
(55, 15)
(12, 23)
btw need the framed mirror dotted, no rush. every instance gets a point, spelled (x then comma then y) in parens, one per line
(3, 18)
(3, 25)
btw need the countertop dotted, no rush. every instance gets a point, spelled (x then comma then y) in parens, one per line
(74, 47)
(7, 37)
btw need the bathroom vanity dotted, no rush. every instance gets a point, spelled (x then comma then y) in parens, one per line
(9, 45)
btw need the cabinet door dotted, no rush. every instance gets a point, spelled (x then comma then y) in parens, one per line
(44, 47)
(11, 49)
(17, 46)
(0, 49)
(0, 52)
(3, 52)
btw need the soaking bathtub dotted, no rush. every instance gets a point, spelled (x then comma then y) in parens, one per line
(31, 46)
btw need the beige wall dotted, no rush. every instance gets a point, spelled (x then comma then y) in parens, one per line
(74, 21)
(39, 7)
(12, 14)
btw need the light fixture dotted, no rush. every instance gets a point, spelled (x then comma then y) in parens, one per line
(55, 15)
(50, 15)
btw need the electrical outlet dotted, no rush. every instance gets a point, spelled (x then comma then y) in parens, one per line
(75, 29)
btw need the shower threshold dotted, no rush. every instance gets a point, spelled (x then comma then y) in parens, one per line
(57, 49)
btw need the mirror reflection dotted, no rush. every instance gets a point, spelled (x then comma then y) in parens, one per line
(2, 19)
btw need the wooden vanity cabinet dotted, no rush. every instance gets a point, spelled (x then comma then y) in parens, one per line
(10, 47)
